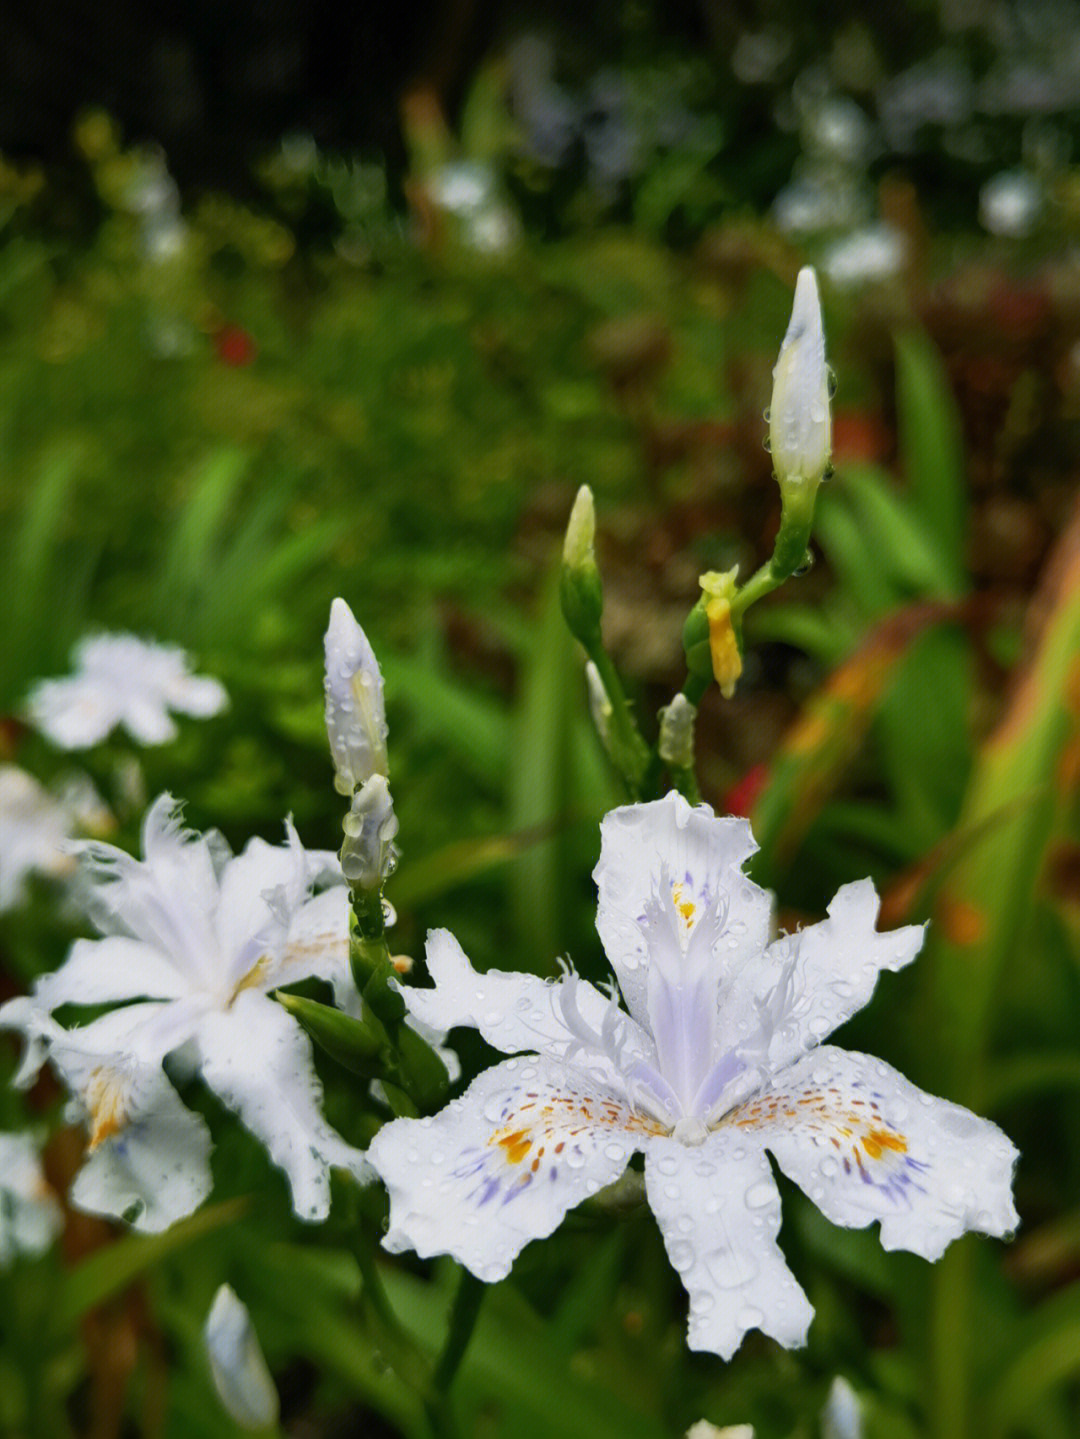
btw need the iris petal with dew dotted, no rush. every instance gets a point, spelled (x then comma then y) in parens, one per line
(714, 1057)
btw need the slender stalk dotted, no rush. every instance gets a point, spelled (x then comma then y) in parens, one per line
(627, 747)
(789, 552)
(464, 1312)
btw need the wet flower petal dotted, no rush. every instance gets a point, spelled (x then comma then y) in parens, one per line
(102, 971)
(259, 1062)
(502, 1164)
(694, 856)
(719, 1212)
(866, 1144)
(355, 709)
(149, 1156)
(818, 978)
(518, 1012)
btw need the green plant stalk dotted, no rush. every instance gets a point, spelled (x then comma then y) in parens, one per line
(400, 1347)
(626, 746)
(685, 781)
(464, 1312)
(789, 549)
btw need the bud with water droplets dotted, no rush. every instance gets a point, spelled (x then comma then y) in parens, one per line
(676, 743)
(368, 856)
(582, 599)
(355, 711)
(241, 1376)
(800, 430)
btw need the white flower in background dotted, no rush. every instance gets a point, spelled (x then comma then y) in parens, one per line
(719, 1059)
(869, 255)
(842, 1417)
(1011, 203)
(240, 1372)
(35, 828)
(122, 680)
(37, 825)
(30, 1217)
(704, 1430)
(468, 190)
(200, 937)
(800, 430)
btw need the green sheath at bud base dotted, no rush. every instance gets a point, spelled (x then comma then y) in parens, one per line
(354, 1044)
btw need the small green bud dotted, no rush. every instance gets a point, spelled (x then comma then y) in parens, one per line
(352, 1042)
(582, 598)
(423, 1074)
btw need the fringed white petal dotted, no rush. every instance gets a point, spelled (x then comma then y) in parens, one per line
(566, 1019)
(812, 981)
(866, 1144)
(501, 1165)
(258, 1060)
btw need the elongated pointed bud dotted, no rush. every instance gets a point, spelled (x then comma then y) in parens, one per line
(355, 711)
(241, 1376)
(352, 1042)
(582, 599)
(800, 429)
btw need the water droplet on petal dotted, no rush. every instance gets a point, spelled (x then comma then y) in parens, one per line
(760, 1195)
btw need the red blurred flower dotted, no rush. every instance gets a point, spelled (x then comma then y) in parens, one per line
(743, 794)
(234, 346)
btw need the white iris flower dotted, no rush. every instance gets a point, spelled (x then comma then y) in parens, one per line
(122, 680)
(198, 937)
(29, 1214)
(35, 827)
(718, 1059)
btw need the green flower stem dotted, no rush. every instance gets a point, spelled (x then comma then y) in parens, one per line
(695, 687)
(685, 781)
(626, 746)
(464, 1313)
(387, 1330)
(789, 549)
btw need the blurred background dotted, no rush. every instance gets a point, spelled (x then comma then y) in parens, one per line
(299, 300)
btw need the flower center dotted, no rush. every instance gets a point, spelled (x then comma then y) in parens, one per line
(106, 1099)
(690, 1131)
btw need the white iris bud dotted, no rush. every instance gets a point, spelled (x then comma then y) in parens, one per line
(355, 710)
(800, 429)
